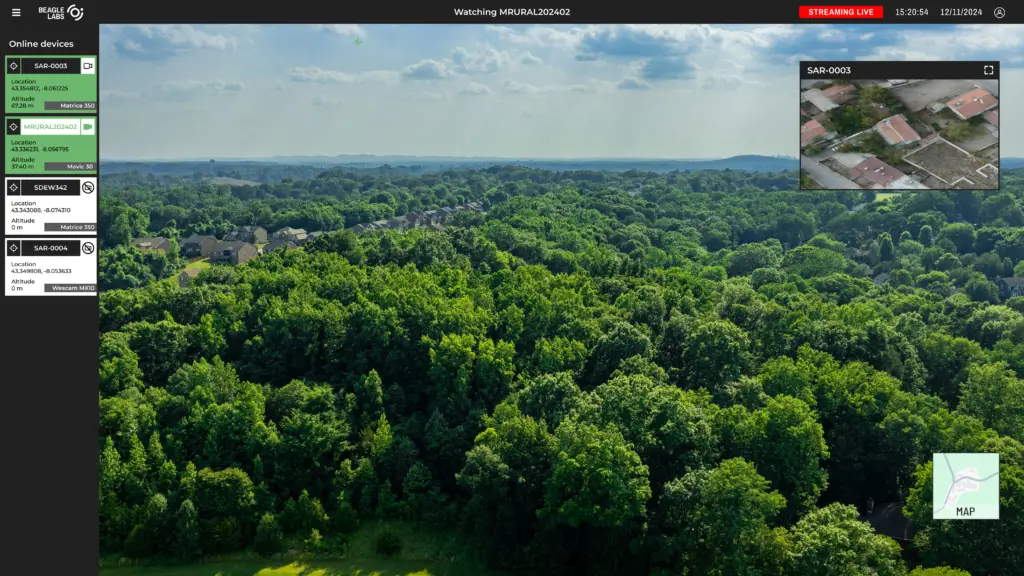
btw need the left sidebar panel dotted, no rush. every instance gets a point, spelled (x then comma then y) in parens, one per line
(50, 287)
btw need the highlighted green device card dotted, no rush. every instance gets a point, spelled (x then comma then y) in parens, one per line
(51, 145)
(64, 85)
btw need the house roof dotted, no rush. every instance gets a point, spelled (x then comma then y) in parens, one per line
(896, 130)
(1013, 281)
(276, 244)
(837, 93)
(234, 245)
(973, 102)
(249, 228)
(810, 131)
(154, 241)
(197, 238)
(993, 117)
(875, 171)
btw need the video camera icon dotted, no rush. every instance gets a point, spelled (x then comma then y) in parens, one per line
(88, 65)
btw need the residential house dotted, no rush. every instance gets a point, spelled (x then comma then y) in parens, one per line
(250, 234)
(839, 93)
(896, 131)
(818, 98)
(431, 217)
(279, 244)
(1011, 287)
(156, 244)
(314, 235)
(875, 172)
(810, 132)
(905, 183)
(187, 275)
(881, 278)
(446, 214)
(296, 235)
(971, 103)
(198, 246)
(436, 227)
(393, 224)
(415, 219)
(359, 228)
(233, 252)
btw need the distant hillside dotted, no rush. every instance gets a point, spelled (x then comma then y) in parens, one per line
(434, 163)
(1010, 163)
(272, 169)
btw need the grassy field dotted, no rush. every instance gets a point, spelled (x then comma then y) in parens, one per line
(200, 264)
(369, 567)
(883, 196)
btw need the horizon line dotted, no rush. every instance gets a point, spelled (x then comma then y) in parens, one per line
(478, 158)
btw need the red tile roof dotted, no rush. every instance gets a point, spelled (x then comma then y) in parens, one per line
(836, 93)
(875, 171)
(895, 130)
(993, 117)
(810, 131)
(970, 104)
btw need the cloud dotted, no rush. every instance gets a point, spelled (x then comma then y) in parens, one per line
(520, 88)
(191, 89)
(462, 62)
(633, 84)
(515, 87)
(321, 100)
(545, 36)
(158, 43)
(529, 59)
(342, 29)
(317, 75)
(487, 61)
(832, 35)
(671, 68)
(427, 70)
(959, 42)
(475, 89)
(116, 96)
(724, 82)
(663, 52)
(867, 36)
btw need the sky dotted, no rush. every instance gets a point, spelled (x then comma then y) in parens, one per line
(527, 91)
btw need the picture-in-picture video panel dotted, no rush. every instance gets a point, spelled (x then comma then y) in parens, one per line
(899, 125)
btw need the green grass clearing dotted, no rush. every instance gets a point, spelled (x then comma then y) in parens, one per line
(883, 196)
(200, 264)
(368, 567)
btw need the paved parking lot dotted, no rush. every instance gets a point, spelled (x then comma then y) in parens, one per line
(917, 96)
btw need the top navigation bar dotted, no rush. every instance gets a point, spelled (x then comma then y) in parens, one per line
(549, 12)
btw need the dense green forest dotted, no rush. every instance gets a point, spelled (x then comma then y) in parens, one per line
(696, 373)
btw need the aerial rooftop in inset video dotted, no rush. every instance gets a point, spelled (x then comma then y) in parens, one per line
(899, 134)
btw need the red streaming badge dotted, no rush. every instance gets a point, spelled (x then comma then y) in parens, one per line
(826, 12)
